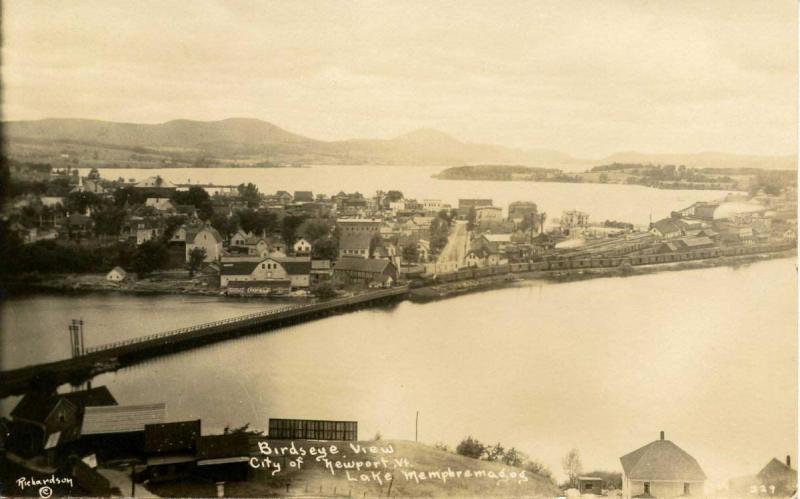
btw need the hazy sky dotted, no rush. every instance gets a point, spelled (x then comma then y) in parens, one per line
(588, 78)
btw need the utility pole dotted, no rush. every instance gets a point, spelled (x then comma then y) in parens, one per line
(416, 427)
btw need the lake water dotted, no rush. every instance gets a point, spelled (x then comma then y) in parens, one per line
(709, 356)
(630, 203)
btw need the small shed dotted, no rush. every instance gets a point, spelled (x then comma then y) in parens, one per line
(590, 485)
(117, 274)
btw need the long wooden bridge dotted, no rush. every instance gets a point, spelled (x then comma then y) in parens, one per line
(112, 356)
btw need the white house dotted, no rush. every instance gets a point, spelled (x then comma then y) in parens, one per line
(160, 204)
(117, 274)
(302, 247)
(207, 238)
(661, 469)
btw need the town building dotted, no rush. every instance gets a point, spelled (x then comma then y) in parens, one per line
(661, 469)
(666, 228)
(488, 216)
(321, 270)
(206, 238)
(358, 226)
(170, 449)
(161, 204)
(355, 244)
(46, 421)
(117, 274)
(522, 210)
(303, 197)
(296, 270)
(778, 477)
(156, 185)
(302, 247)
(571, 219)
(366, 270)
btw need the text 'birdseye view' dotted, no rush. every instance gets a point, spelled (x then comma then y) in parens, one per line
(380, 299)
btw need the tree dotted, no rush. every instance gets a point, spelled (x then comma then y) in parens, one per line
(289, 230)
(224, 224)
(198, 197)
(245, 429)
(150, 255)
(314, 230)
(325, 249)
(513, 457)
(410, 253)
(572, 466)
(108, 220)
(495, 452)
(471, 216)
(80, 201)
(249, 194)
(171, 224)
(374, 243)
(196, 258)
(471, 447)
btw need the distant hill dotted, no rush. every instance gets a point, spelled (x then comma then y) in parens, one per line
(247, 141)
(243, 139)
(705, 160)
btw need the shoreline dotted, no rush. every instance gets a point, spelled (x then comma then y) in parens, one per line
(442, 291)
(69, 284)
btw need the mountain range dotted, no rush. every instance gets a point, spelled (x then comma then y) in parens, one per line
(244, 141)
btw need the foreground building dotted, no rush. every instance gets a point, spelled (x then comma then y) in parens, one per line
(661, 469)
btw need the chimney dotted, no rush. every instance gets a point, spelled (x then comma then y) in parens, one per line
(789, 461)
(662, 434)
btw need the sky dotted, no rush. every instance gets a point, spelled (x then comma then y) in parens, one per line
(586, 78)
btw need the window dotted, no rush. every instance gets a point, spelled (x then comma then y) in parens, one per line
(588, 486)
(647, 488)
(687, 489)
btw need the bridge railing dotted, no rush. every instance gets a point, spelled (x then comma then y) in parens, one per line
(245, 318)
(190, 329)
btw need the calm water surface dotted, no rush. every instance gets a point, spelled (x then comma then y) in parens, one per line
(707, 355)
(630, 203)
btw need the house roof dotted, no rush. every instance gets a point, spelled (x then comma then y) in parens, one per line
(192, 233)
(171, 437)
(303, 196)
(498, 238)
(776, 468)
(121, 418)
(355, 241)
(36, 406)
(693, 242)
(119, 270)
(361, 265)
(661, 460)
(666, 226)
(238, 268)
(156, 182)
(295, 265)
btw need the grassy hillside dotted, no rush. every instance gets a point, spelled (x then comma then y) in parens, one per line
(244, 141)
(314, 478)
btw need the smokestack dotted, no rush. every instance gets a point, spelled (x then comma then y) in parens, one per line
(788, 460)
(662, 434)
